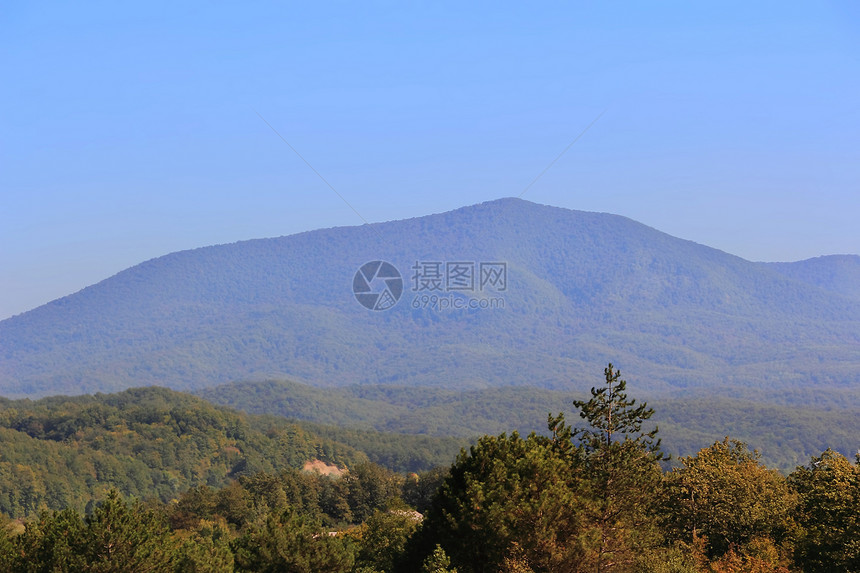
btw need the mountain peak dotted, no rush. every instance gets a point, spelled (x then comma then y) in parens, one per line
(571, 291)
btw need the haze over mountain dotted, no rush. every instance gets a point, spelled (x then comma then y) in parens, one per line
(582, 289)
(836, 273)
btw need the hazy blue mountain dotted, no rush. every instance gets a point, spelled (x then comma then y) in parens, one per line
(583, 289)
(835, 273)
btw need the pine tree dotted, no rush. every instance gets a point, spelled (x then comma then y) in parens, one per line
(122, 536)
(50, 543)
(437, 562)
(116, 538)
(506, 499)
(622, 467)
(577, 500)
(7, 548)
(289, 543)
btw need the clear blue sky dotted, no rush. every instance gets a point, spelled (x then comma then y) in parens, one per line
(130, 130)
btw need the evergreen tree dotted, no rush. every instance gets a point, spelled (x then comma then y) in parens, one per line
(7, 548)
(621, 464)
(578, 500)
(370, 487)
(50, 544)
(437, 562)
(506, 499)
(288, 543)
(116, 538)
(206, 549)
(419, 489)
(121, 537)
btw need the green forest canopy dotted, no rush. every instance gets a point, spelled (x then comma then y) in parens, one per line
(590, 497)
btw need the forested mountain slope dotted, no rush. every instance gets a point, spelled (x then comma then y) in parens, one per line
(835, 273)
(63, 452)
(581, 289)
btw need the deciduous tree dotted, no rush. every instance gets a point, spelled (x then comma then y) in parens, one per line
(829, 489)
(725, 497)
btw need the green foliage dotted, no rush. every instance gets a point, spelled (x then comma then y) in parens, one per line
(117, 537)
(205, 550)
(395, 451)
(288, 543)
(121, 537)
(371, 487)
(383, 538)
(725, 497)
(50, 543)
(335, 502)
(151, 442)
(787, 434)
(420, 489)
(674, 559)
(829, 489)
(437, 562)
(506, 493)
(7, 548)
(401, 409)
(612, 417)
(621, 466)
(581, 498)
(509, 504)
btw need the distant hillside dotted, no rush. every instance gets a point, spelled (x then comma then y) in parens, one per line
(787, 436)
(582, 289)
(156, 443)
(835, 273)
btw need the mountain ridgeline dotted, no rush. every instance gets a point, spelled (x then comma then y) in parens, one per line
(581, 289)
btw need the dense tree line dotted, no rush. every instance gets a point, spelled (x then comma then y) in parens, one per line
(593, 497)
(788, 429)
(154, 443)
